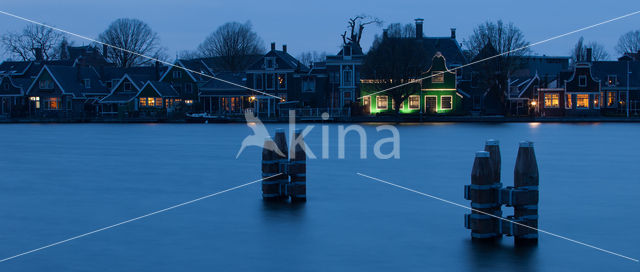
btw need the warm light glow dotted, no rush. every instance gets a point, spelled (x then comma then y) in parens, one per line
(533, 103)
(252, 98)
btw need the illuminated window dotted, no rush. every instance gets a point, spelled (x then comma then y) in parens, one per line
(612, 80)
(188, 102)
(158, 102)
(582, 81)
(438, 77)
(551, 100)
(143, 102)
(382, 102)
(446, 102)
(414, 102)
(611, 99)
(36, 99)
(52, 103)
(582, 101)
(282, 81)
(366, 102)
(568, 101)
(596, 101)
(169, 103)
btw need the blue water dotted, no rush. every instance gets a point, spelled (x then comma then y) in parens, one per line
(58, 181)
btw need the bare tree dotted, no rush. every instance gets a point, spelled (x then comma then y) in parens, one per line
(355, 28)
(308, 58)
(579, 52)
(629, 42)
(504, 38)
(25, 44)
(398, 30)
(132, 35)
(188, 54)
(234, 43)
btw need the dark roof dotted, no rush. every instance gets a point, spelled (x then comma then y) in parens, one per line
(147, 72)
(284, 61)
(448, 47)
(163, 88)
(602, 69)
(217, 87)
(14, 67)
(119, 97)
(218, 64)
(71, 79)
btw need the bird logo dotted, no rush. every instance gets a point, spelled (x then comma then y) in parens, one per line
(260, 133)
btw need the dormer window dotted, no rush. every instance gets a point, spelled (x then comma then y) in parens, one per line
(582, 81)
(128, 86)
(177, 74)
(612, 80)
(45, 84)
(270, 63)
(87, 83)
(437, 77)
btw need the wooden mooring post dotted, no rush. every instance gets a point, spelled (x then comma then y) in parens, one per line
(487, 196)
(292, 167)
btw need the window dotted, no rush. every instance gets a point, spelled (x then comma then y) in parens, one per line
(169, 103)
(582, 81)
(346, 51)
(551, 100)
(596, 101)
(568, 103)
(188, 102)
(414, 102)
(382, 102)
(282, 81)
(187, 88)
(52, 103)
(437, 77)
(611, 99)
(612, 80)
(346, 97)
(309, 85)
(258, 80)
(45, 84)
(582, 101)
(177, 74)
(87, 83)
(270, 81)
(159, 102)
(446, 102)
(128, 86)
(143, 102)
(431, 103)
(35, 99)
(347, 76)
(270, 63)
(366, 102)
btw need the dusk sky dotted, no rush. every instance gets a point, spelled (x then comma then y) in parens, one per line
(316, 25)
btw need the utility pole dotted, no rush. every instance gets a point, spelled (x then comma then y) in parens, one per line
(628, 76)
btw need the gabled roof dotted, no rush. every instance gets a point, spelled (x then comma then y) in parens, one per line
(163, 89)
(70, 80)
(284, 61)
(18, 89)
(14, 67)
(217, 87)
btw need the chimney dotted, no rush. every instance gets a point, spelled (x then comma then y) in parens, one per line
(105, 50)
(419, 23)
(157, 70)
(453, 33)
(39, 54)
(589, 54)
(284, 48)
(273, 46)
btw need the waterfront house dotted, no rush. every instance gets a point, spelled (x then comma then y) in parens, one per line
(582, 92)
(343, 70)
(228, 95)
(618, 78)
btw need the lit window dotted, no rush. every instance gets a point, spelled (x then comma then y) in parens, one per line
(414, 102)
(36, 99)
(611, 99)
(612, 80)
(568, 103)
(446, 102)
(282, 81)
(52, 103)
(143, 102)
(158, 102)
(366, 102)
(582, 81)
(128, 86)
(188, 102)
(382, 102)
(438, 77)
(551, 100)
(582, 101)
(596, 101)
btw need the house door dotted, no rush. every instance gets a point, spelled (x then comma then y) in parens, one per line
(366, 104)
(431, 104)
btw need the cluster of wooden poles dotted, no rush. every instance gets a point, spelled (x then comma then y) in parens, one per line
(284, 169)
(487, 196)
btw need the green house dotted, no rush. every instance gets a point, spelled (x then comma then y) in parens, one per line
(438, 94)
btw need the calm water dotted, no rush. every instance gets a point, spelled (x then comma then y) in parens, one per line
(58, 181)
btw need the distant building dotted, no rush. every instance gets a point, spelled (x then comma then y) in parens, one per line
(343, 70)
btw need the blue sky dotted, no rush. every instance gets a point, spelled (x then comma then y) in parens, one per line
(316, 25)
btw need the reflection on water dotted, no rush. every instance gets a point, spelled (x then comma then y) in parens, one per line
(482, 256)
